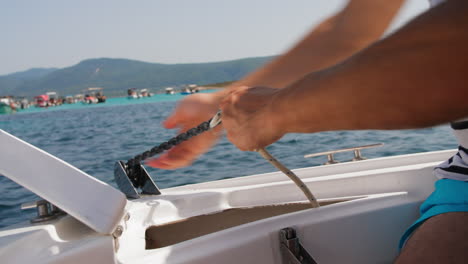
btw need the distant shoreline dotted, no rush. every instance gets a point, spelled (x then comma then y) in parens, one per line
(116, 76)
(110, 102)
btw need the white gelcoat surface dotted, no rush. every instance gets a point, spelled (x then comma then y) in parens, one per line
(364, 230)
(88, 199)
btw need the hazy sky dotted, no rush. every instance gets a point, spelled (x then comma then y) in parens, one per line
(61, 33)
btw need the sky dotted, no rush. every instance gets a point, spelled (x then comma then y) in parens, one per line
(61, 33)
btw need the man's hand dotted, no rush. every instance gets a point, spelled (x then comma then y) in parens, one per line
(249, 117)
(190, 112)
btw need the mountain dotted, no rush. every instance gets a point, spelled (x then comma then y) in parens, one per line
(10, 83)
(31, 74)
(117, 75)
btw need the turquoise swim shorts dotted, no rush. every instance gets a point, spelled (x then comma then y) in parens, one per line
(449, 196)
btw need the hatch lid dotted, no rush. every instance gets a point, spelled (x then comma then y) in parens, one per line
(91, 201)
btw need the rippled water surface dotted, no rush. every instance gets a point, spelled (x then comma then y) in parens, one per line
(92, 138)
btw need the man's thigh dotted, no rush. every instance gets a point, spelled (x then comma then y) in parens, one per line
(440, 239)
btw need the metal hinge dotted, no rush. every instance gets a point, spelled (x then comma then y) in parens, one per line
(45, 211)
(292, 252)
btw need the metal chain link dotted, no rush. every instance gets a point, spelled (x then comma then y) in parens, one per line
(132, 166)
(205, 126)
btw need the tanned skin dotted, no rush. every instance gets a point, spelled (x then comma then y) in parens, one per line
(359, 24)
(417, 77)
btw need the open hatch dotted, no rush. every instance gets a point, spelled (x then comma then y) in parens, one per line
(91, 201)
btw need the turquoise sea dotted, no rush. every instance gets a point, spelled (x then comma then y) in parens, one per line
(93, 137)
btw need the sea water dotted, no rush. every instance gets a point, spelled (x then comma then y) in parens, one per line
(93, 137)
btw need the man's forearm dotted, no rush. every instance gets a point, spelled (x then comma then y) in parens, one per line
(417, 77)
(360, 23)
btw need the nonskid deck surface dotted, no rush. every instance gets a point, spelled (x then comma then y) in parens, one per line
(182, 230)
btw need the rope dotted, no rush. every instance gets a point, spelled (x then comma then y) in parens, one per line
(299, 183)
(133, 165)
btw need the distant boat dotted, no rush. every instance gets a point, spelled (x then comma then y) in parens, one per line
(78, 98)
(24, 103)
(94, 95)
(5, 106)
(190, 89)
(69, 99)
(169, 90)
(53, 99)
(186, 92)
(132, 93)
(5, 109)
(90, 99)
(41, 100)
(145, 93)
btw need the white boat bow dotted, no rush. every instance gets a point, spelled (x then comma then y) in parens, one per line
(366, 206)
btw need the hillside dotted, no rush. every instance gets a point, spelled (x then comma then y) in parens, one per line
(10, 83)
(117, 75)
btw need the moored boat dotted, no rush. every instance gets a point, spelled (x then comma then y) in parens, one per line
(5, 109)
(94, 95)
(54, 99)
(78, 98)
(90, 99)
(132, 93)
(145, 93)
(6, 105)
(252, 219)
(24, 103)
(41, 100)
(190, 89)
(69, 99)
(169, 90)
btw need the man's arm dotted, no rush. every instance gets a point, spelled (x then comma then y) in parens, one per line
(416, 77)
(360, 23)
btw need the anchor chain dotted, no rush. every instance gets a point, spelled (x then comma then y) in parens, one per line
(133, 164)
(139, 177)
